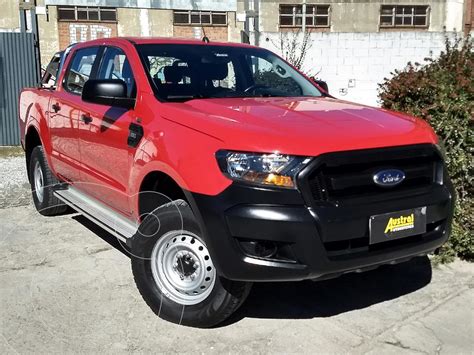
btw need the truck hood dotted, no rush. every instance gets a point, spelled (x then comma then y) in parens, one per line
(300, 126)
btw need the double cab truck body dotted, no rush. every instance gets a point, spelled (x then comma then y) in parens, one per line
(218, 165)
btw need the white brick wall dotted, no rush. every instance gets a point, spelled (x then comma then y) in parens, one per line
(365, 57)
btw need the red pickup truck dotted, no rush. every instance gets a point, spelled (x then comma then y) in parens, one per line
(218, 165)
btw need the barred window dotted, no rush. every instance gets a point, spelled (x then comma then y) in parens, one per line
(404, 16)
(210, 18)
(315, 16)
(87, 13)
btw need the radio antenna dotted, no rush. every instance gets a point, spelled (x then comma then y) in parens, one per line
(205, 39)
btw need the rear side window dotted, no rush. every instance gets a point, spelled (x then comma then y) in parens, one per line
(80, 69)
(115, 65)
(50, 75)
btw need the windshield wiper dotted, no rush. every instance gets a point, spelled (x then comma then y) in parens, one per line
(184, 98)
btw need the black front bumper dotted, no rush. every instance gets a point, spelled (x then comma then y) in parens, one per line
(317, 241)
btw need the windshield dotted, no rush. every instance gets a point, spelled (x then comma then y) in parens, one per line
(181, 72)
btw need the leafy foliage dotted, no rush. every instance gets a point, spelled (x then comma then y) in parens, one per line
(294, 46)
(441, 91)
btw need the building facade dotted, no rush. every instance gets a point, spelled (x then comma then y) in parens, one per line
(363, 15)
(354, 43)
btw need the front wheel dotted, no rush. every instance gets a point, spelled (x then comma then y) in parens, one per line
(175, 273)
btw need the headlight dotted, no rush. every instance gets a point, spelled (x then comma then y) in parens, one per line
(272, 169)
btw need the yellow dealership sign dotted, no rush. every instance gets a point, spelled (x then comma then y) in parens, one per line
(400, 223)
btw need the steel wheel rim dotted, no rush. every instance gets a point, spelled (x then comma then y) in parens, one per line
(39, 182)
(182, 267)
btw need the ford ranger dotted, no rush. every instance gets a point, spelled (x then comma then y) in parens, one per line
(219, 164)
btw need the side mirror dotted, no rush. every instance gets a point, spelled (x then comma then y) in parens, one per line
(109, 92)
(322, 84)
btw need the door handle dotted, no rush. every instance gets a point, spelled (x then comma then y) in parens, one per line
(86, 119)
(56, 107)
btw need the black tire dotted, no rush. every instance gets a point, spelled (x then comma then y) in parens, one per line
(224, 299)
(49, 205)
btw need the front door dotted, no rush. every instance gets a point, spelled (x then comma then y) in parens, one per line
(64, 115)
(103, 134)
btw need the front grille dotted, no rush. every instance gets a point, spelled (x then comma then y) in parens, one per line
(344, 176)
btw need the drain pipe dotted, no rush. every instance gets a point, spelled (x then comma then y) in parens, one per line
(29, 23)
(256, 22)
(251, 27)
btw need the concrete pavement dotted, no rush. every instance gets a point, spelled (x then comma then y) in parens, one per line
(65, 289)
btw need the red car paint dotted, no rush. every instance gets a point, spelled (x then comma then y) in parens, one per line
(181, 139)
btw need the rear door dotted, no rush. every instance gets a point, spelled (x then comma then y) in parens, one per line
(65, 114)
(103, 135)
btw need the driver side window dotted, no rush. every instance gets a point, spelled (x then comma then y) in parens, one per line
(80, 69)
(115, 65)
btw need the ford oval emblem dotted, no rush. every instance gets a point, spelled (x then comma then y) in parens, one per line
(389, 177)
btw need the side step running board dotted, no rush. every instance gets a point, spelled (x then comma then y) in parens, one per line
(98, 213)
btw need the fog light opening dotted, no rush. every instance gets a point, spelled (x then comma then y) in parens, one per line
(260, 249)
(266, 249)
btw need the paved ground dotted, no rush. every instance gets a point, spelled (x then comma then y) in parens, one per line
(65, 288)
(14, 188)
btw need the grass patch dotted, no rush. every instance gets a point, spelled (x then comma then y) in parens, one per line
(11, 151)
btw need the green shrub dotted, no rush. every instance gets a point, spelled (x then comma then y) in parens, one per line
(441, 91)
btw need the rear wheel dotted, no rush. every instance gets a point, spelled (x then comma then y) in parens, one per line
(42, 183)
(175, 273)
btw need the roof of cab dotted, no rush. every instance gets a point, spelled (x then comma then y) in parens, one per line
(166, 40)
